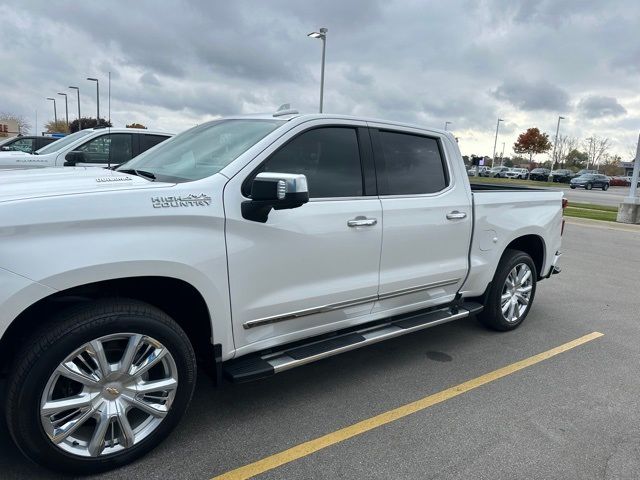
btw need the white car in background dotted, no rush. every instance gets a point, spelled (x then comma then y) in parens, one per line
(521, 173)
(92, 147)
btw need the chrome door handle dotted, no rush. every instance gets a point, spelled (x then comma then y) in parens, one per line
(361, 221)
(456, 215)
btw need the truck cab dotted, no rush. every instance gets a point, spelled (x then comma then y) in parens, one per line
(91, 147)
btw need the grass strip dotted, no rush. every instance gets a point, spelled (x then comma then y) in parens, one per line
(608, 216)
(593, 206)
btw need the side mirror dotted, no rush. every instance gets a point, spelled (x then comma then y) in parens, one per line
(5, 149)
(276, 191)
(74, 157)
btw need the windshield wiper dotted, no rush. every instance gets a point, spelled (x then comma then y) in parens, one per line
(139, 173)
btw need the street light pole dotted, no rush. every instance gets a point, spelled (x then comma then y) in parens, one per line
(495, 142)
(79, 121)
(66, 107)
(502, 155)
(55, 111)
(555, 161)
(97, 100)
(446, 124)
(322, 35)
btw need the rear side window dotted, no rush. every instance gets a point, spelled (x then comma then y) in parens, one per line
(411, 165)
(148, 141)
(329, 157)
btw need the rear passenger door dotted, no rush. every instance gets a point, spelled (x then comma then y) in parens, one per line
(426, 217)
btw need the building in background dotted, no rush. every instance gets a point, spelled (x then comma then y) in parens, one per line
(8, 128)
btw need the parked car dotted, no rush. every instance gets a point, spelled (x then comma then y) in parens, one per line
(521, 173)
(629, 179)
(561, 176)
(92, 147)
(482, 170)
(589, 180)
(25, 143)
(540, 174)
(498, 172)
(585, 171)
(115, 281)
(618, 181)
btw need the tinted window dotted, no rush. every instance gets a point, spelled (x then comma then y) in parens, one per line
(412, 165)
(22, 145)
(114, 148)
(148, 141)
(329, 157)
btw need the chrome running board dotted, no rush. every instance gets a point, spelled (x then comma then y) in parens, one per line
(263, 365)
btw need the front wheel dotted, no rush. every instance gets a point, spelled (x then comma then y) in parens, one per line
(99, 386)
(588, 186)
(511, 293)
(573, 187)
(605, 187)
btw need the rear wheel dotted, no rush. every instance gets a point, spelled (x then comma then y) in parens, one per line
(511, 293)
(99, 387)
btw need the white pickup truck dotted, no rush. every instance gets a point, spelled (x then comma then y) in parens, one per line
(249, 246)
(91, 147)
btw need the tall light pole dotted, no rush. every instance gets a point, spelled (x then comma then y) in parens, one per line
(555, 160)
(55, 112)
(66, 107)
(446, 124)
(79, 121)
(97, 100)
(495, 142)
(502, 155)
(322, 35)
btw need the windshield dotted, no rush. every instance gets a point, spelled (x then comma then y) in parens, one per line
(203, 150)
(63, 142)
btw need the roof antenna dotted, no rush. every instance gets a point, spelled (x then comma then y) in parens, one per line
(285, 109)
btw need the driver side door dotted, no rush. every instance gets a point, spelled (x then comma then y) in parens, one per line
(311, 269)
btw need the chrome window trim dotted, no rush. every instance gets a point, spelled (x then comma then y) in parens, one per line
(344, 304)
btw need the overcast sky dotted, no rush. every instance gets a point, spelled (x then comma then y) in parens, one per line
(175, 64)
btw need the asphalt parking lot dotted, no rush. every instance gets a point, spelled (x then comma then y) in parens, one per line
(574, 415)
(612, 197)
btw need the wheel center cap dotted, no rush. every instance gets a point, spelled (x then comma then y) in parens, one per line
(112, 391)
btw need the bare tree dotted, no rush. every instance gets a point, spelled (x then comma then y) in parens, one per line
(596, 148)
(23, 125)
(563, 147)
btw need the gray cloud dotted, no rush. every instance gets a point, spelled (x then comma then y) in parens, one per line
(596, 106)
(178, 63)
(533, 96)
(150, 79)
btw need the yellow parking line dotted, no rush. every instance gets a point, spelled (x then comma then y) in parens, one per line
(312, 446)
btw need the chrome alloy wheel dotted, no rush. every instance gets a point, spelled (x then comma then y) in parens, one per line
(516, 292)
(109, 394)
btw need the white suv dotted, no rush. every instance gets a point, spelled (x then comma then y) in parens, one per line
(522, 173)
(92, 147)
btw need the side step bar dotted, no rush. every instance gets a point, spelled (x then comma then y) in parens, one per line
(260, 366)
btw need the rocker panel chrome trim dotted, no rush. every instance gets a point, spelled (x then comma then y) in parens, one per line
(348, 303)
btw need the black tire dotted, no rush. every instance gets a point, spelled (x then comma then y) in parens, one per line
(48, 347)
(588, 186)
(573, 187)
(492, 316)
(605, 187)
